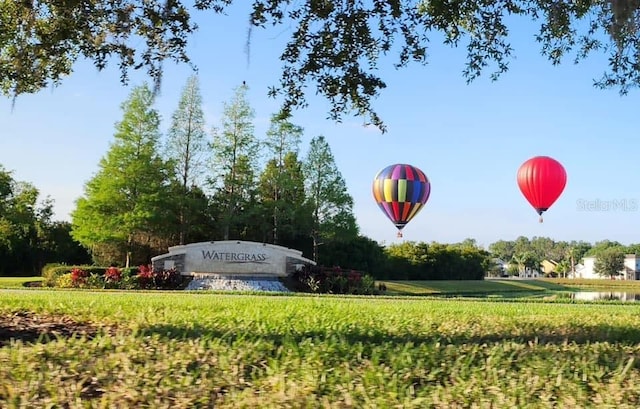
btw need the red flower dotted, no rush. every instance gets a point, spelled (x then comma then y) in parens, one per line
(145, 271)
(78, 276)
(113, 274)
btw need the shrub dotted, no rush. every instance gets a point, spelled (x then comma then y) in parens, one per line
(50, 273)
(79, 277)
(142, 277)
(145, 276)
(167, 279)
(112, 275)
(334, 280)
(95, 281)
(63, 281)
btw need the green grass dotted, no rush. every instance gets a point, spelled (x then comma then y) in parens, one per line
(18, 282)
(470, 287)
(232, 351)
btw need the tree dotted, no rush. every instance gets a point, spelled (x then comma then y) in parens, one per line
(283, 139)
(600, 246)
(334, 45)
(526, 261)
(327, 195)
(502, 249)
(186, 141)
(28, 237)
(563, 268)
(21, 225)
(125, 204)
(609, 262)
(234, 155)
(186, 147)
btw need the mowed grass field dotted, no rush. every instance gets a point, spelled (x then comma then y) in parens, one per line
(203, 350)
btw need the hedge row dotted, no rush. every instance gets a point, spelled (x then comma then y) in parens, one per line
(52, 272)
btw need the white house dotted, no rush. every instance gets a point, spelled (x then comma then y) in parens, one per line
(578, 268)
(630, 271)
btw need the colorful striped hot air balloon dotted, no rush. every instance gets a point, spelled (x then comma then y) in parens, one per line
(401, 191)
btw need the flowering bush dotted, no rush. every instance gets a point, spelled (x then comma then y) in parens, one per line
(64, 281)
(113, 275)
(167, 279)
(334, 280)
(141, 277)
(78, 277)
(145, 276)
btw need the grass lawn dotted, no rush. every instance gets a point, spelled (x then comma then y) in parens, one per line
(470, 287)
(19, 282)
(177, 349)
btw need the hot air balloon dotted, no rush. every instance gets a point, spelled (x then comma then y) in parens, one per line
(541, 180)
(401, 191)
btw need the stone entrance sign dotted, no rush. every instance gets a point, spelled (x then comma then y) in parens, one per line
(232, 258)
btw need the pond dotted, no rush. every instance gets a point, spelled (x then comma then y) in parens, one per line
(603, 295)
(627, 296)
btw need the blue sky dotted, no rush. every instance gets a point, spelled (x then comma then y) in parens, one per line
(468, 139)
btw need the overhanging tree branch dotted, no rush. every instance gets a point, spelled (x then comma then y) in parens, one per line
(335, 47)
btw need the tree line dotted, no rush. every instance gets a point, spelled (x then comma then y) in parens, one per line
(29, 238)
(152, 192)
(524, 253)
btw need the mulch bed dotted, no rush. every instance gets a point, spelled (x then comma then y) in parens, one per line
(30, 327)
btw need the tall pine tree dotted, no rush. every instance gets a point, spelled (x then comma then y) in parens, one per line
(327, 196)
(283, 140)
(187, 147)
(234, 158)
(124, 204)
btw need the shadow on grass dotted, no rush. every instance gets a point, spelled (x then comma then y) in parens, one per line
(29, 327)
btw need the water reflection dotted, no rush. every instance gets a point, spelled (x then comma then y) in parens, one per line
(606, 295)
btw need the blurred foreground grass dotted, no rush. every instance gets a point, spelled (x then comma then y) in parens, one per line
(177, 349)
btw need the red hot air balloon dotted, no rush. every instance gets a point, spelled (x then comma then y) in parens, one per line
(541, 180)
(401, 191)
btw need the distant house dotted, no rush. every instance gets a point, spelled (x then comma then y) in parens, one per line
(549, 267)
(503, 265)
(530, 273)
(578, 269)
(630, 271)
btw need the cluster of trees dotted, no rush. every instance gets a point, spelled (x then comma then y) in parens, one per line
(524, 253)
(151, 192)
(29, 238)
(436, 261)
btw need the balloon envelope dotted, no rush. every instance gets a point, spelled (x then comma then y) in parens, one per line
(401, 191)
(541, 180)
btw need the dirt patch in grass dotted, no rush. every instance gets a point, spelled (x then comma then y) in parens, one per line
(30, 327)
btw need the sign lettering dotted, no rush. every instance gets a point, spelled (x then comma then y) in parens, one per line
(234, 257)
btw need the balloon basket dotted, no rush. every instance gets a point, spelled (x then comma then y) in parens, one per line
(540, 220)
(399, 235)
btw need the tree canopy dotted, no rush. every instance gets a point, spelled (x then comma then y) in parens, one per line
(334, 45)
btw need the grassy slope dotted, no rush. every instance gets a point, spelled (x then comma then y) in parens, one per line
(471, 287)
(194, 350)
(505, 286)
